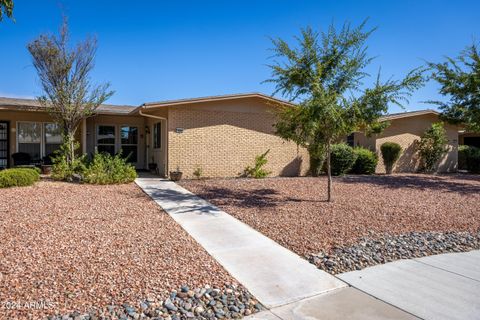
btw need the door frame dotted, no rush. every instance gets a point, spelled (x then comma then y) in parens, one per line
(160, 153)
(7, 122)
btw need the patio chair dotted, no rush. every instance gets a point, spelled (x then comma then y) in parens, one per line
(21, 159)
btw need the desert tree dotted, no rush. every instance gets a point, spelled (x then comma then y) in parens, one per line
(6, 8)
(64, 73)
(323, 73)
(459, 80)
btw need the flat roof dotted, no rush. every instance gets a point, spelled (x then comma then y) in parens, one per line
(7, 103)
(33, 105)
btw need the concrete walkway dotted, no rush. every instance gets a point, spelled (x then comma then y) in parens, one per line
(437, 287)
(273, 274)
(445, 286)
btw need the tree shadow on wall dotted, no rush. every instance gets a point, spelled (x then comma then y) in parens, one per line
(293, 168)
(409, 159)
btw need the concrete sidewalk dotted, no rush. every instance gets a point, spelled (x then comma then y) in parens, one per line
(340, 304)
(289, 286)
(273, 274)
(445, 286)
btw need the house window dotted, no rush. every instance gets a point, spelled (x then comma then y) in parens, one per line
(29, 138)
(129, 140)
(53, 138)
(157, 135)
(106, 139)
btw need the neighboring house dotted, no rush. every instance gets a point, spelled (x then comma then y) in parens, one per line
(406, 129)
(219, 134)
(469, 139)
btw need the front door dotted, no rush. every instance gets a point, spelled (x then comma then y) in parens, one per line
(4, 152)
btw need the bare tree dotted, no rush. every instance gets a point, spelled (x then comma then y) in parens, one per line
(64, 74)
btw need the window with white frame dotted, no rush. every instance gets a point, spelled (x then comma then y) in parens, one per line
(53, 138)
(29, 138)
(38, 139)
(106, 139)
(129, 141)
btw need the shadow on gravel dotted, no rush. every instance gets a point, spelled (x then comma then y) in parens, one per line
(256, 198)
(193, 203)
(420, 182)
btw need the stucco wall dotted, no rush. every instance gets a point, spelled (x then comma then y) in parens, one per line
(407, 132)
(223, 138)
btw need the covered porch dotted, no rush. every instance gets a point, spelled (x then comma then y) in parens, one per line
(29, 136)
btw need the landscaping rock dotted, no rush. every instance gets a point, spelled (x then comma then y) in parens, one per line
(229, 302)
(374, 250)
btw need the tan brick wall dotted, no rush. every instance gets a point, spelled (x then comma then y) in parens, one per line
(223, 138)
(407, 132)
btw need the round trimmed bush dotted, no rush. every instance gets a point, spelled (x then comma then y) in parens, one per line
(18, 177)
(342, 159)
(390, 153)
(366, 162)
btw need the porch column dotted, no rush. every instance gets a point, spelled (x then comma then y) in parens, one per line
(84, 136)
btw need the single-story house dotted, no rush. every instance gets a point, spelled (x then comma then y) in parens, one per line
(406, 129)
(221, 135)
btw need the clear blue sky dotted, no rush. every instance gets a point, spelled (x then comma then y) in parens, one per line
(157, 50)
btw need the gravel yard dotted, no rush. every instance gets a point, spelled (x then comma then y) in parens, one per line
(70, 247)
(292, 211)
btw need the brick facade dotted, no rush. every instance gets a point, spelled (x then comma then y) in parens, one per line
(223, 139)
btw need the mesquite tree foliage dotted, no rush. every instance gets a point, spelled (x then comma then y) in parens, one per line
(6, 8)
(324, 73)
(459, 80)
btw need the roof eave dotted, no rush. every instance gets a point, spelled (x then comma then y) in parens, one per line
(171, 103)
(409, 114)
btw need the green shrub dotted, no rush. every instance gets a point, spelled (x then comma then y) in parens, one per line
(62, 169)
(317, 159)
(472, 158)
(257, 171)
(198, 172)
(462, 157)
(18, 177)
(390, 153)
(342, 159)
(366, 162)
(107, 169)
(432, 146)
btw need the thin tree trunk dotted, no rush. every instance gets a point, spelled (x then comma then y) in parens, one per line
(329, 175)
(71, 147)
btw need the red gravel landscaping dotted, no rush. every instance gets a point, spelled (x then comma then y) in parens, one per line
(292, 211)
(78, 246)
